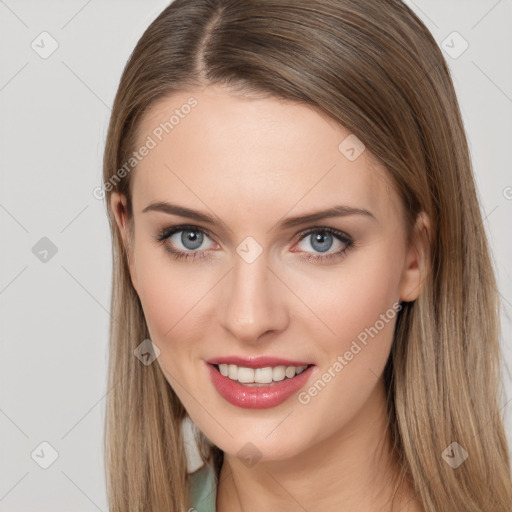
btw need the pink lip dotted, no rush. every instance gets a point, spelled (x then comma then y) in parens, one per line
(256, 362)
(258, 397)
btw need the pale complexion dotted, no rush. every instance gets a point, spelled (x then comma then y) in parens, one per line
(253, 163)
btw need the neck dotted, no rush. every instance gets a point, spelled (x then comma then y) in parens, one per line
(353, 470)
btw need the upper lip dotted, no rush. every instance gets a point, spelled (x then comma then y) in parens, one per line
(256, 362)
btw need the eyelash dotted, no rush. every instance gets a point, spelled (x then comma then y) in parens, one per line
(166, 233)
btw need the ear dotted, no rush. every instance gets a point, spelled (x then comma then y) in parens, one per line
(119, 209)
(415, 264)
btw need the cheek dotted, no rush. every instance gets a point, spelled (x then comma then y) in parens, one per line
(360, 307)
(351, 298)
(173, 296)
(164, 291)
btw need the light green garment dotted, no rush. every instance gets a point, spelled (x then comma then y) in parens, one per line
(203, 489)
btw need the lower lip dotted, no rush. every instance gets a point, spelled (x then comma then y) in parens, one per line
(257, 397)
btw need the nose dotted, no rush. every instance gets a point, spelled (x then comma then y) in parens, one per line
(255, 303)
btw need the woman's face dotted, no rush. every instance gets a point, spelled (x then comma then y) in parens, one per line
(256, 284)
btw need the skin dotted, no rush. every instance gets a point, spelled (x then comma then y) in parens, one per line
(252, 163)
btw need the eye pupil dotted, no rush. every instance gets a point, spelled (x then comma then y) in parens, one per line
(191, 236)
(321, 240)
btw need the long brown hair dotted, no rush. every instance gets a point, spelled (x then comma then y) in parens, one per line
(374, 68)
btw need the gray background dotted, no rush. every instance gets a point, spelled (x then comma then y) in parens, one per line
(54, 315)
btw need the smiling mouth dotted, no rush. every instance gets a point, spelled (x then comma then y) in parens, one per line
(260, 377)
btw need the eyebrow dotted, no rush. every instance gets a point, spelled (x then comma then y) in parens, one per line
(335, 211)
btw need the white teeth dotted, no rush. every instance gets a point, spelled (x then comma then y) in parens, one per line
(232, 371)
(259, 375)
(290, 372)
(278, 373)
(300, 369)
(245, 375)
(262, 375)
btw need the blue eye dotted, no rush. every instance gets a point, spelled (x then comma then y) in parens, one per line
(323, 241)
(192, 237)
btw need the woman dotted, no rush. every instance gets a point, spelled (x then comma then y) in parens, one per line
(299, 268)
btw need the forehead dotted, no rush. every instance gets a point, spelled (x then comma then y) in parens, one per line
(232, 153)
